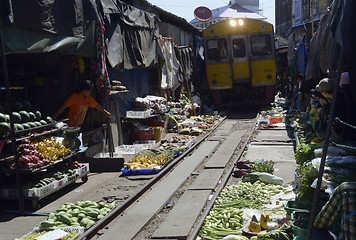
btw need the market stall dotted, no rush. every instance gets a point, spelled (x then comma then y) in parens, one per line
(161, 131)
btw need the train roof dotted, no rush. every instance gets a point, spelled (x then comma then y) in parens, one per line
(238, 26)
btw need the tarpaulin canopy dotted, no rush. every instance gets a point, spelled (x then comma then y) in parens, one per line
(335, 34)
(131, 35)
(48, 25)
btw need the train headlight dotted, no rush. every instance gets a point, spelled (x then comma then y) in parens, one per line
(241, 22)
(233, 23)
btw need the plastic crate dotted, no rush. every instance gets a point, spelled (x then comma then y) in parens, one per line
(291, 206)
(138, 114)
(142, 134)
(300, 227)
(297, 215)
(275, 120)
(129, 172)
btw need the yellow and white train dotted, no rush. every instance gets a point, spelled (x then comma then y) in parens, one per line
(240, 62)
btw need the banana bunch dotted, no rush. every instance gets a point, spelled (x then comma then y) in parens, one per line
(147, 162)
(51, 149)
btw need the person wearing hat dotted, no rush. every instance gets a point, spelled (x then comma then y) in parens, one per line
(341, 133)
(326, 88)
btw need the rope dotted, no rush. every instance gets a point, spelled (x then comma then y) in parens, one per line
(345, 123)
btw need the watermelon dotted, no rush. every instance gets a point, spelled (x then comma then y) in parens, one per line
(16, 117)
(17, 106)
(32, 124)
(49, 119)
(2, 117)
(18, 127)
(26, 125)
(32, 116)
(37, 114)
(26, 105)
(38, 124)
(7, 117)
(25, 117)
(4, 127)
(43, 122)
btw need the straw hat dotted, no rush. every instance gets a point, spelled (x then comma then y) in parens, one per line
(326, 85)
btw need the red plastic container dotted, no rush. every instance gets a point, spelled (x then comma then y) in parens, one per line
(156, 124)
(145, 134)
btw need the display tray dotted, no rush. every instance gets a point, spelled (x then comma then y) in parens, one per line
(80, 231)
(26, 170)
(129, 172)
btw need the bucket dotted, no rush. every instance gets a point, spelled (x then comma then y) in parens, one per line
(157, 131)
(144, 134)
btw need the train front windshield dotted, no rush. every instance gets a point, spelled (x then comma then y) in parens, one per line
(217, 48)
(261, 45)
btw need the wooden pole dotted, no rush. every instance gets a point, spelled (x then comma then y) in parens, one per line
(12, 131)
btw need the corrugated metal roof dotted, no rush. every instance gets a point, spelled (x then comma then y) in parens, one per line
(233, 11)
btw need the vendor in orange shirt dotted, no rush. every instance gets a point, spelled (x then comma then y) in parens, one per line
(78, 104)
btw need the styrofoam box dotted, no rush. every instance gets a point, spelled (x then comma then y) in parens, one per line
(146, 144)
(129, 149)
(138, 114)
(38, 192)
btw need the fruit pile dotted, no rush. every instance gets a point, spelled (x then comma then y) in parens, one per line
(143, 161)
(256, 226)
(38, 154)
(23, 115)
(51, 148)
(81, 214)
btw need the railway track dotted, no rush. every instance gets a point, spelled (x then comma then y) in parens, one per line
(174, 203)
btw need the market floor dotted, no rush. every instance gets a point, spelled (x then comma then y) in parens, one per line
(276, 145)
(99, 186)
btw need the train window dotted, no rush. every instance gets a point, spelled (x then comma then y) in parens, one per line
(217, 48)
(261, 45)
(239, 48)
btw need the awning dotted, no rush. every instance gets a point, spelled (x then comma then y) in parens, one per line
(64, 26)
(19, 40)
(131, 33)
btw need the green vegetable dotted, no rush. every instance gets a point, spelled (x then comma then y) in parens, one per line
(270, 178)
(307, 174)
(226, 217)
(305, 152)
(263, 166)
(283, 233)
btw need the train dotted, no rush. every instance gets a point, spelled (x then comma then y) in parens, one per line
(240, 62)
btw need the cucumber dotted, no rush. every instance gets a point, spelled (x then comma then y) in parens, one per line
(84, 221)
(111, 205)
(47, 224)
(64, 218)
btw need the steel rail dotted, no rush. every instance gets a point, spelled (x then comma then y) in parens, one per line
(195, 231)
(91, 232)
